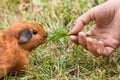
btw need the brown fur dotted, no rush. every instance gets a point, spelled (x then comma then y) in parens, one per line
(14, 55)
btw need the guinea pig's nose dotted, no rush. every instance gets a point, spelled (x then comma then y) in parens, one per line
(45, 36)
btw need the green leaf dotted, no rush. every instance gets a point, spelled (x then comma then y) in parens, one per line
(61, 33)
(58, 34)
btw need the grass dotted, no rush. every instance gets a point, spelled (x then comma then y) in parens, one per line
(59, 59)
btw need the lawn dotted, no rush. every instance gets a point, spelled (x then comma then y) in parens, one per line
(59, 59)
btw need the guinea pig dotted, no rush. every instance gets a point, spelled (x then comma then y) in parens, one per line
(16, 43)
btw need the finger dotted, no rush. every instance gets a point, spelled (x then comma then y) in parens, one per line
(82, 39)
(74, 39)
(100, 47)
(83, 20)
(104, 51)
(92, 45)
(107, 51)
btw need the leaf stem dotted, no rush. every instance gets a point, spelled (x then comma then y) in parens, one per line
(91, 35)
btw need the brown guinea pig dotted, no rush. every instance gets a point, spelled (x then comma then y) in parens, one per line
(16, 43)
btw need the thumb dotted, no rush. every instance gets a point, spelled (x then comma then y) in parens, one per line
(83, 20)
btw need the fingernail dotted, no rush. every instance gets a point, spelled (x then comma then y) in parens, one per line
(72, 37)
(89, 40)
(81, 33)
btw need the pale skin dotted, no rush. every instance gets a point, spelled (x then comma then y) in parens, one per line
(107, 24)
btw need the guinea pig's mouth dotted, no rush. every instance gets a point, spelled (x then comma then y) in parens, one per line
(42, 41)
(44, 38)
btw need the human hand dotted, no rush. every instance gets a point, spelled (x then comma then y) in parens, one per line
(107, 24)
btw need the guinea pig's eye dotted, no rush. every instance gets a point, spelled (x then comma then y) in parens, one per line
(35, 32)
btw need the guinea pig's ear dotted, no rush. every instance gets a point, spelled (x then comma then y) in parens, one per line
(25, 36)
